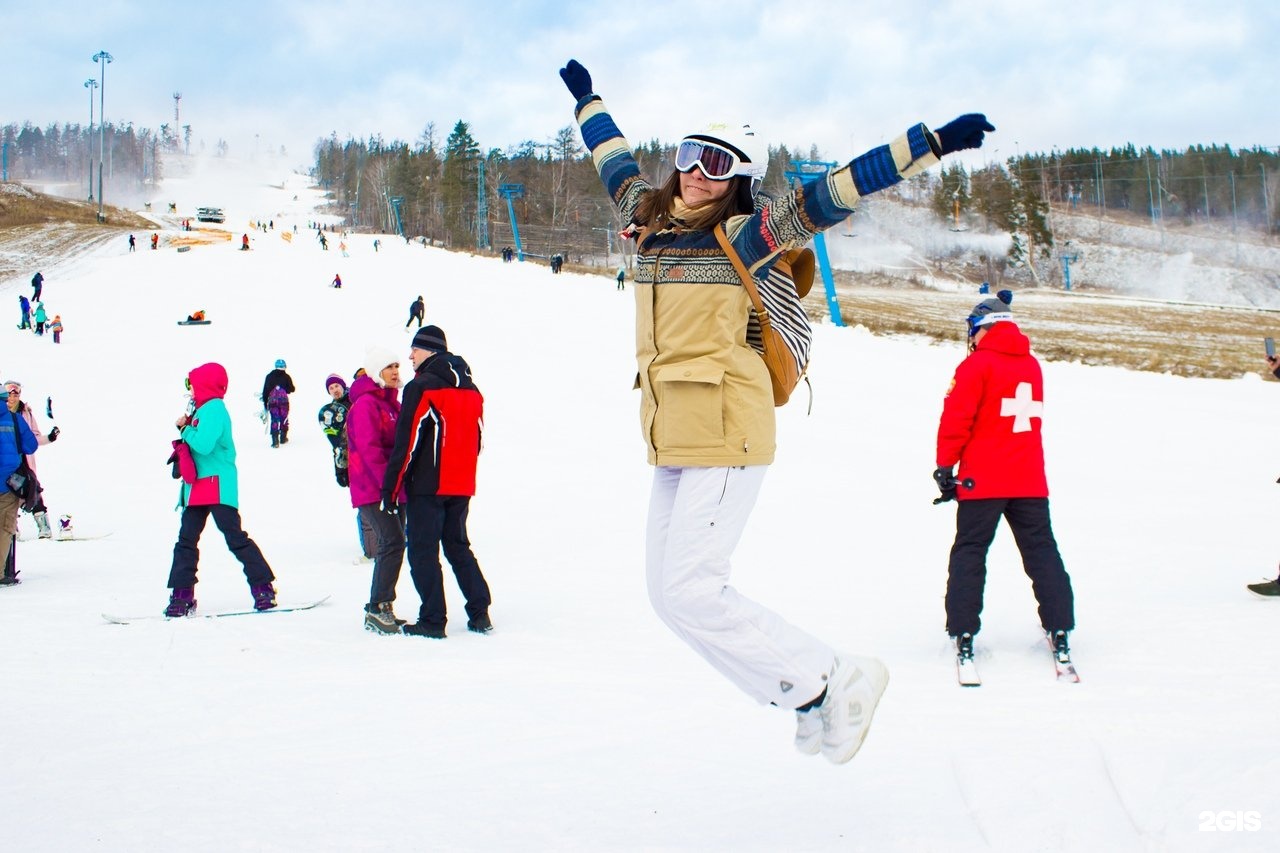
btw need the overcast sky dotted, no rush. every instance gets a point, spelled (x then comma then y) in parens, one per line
(840, 74)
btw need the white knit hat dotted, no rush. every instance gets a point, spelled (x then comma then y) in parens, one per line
(375, 359)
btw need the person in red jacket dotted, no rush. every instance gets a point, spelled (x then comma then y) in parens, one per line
(990, 426)
(432, 469)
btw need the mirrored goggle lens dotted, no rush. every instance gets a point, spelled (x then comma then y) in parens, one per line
(717, 163)
(187, 382)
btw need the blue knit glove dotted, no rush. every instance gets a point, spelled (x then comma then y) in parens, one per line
(577, 78)
(960, 133)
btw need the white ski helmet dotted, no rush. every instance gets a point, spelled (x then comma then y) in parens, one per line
(742, 141)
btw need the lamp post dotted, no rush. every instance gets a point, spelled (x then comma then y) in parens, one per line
(91, 84)
(105, 58)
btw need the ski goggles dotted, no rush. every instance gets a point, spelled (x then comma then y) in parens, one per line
(976, 323)
(715, 161)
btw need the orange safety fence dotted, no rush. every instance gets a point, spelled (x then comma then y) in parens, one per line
(201, 237)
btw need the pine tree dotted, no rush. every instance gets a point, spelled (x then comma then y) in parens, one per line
(458, 185)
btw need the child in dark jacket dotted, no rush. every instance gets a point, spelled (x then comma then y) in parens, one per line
(275, 399)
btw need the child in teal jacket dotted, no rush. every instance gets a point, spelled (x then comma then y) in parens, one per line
(212, 490)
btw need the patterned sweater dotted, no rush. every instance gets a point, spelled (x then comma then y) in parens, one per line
(706, 400)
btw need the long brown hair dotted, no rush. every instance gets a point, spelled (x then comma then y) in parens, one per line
(654, 210)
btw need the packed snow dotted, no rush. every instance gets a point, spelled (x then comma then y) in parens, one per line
(580, 723)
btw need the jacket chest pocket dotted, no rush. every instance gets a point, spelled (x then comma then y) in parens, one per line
(690, 398)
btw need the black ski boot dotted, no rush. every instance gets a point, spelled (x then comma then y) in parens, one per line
(10, 577)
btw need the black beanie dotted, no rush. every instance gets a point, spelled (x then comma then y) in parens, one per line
(430, 338)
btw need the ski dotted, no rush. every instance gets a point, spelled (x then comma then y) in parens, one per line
(966, 668)
(1062, 665)
(283, 608)
(967, 671)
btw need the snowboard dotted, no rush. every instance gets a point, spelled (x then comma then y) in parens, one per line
(194, 322)
(282, 608)
(79, 537)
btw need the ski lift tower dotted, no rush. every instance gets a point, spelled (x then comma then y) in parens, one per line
(396, 201)
(1068, 257)
(510, 191)
(806, 171)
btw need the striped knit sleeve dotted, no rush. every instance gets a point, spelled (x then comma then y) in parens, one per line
(611, 155)
(791, 220)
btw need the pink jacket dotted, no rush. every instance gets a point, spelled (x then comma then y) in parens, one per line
(371, 434)
(41, 439)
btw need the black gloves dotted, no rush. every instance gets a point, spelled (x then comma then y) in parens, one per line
(54, 433)
(389, 505)
(946, 484)
(957, 134)
(578, 79)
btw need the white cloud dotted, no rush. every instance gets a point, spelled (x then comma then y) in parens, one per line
(843, 75)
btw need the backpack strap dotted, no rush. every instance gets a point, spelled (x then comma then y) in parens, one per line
(762, 313)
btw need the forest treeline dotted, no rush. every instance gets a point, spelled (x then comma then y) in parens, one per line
(61, 153)
(456, 193)
(439, 190)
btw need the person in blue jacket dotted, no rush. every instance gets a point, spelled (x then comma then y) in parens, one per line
(212, 489)
(16, 440)
(24, 305)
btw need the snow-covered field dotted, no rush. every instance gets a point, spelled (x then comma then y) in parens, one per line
(580, 723)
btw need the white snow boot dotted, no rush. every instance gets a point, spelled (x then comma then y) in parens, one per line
(42, 522)
(853, 691)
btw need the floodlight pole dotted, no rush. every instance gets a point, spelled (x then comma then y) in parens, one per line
(106, 59)
(804, 171)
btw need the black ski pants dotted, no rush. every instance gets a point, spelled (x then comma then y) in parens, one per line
(227, 518)
(1028, 518)
(388, 534)
(435, 522)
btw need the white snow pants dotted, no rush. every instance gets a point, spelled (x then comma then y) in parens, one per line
(696, 517)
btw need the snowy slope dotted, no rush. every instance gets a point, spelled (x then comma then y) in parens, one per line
(580, 723)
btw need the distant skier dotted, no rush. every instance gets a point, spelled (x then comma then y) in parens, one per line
(416, 311)
(55, 328)
(133, 244)
(155, 242)
(622, 278)
(244, 242)
(337, 281)
(25, 307)
(275, 398)
(40, 317)
(37, 286)
(376, 244)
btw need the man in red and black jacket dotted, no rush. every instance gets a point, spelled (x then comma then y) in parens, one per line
(433, 470)
(990, 425)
